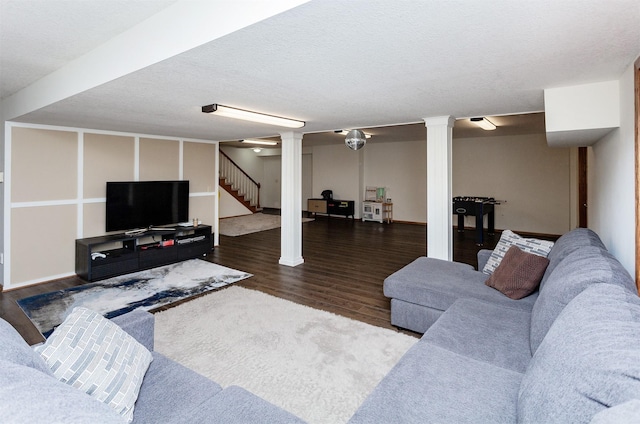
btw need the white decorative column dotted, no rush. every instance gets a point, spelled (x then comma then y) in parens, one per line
(291, 197)
(439, 206)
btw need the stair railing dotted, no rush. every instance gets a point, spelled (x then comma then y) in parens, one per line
(239, 180)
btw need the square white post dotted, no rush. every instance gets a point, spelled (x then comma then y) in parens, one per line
(291, 195)
(439, 182)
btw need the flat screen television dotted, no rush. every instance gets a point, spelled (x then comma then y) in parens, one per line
(143, 204)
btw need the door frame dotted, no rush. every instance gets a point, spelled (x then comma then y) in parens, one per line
(637, 165)
(582, 188)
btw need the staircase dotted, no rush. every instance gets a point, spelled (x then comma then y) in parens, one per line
(239, 184)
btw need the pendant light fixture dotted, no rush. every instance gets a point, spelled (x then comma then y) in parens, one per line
(355, 140)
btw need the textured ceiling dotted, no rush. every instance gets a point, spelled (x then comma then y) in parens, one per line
(334, 64)
(39, 36)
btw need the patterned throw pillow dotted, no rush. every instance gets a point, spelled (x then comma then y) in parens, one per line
(508, 239)
(519, 273)
(92, 354)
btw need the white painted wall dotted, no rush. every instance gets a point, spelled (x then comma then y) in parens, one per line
(582, 107)
(536, 180)
(271, 185)
(401, 167)
(336, 167)
(307, 180)
(611, 177)
(247, 159)
(580, 115)
(533, 178)
(229, 206)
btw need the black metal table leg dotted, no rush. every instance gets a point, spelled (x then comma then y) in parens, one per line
(479, 224)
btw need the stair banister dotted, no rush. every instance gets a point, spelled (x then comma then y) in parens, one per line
(235, 176)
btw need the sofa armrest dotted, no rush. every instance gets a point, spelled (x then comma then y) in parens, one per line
(139, 324)
(483, 257)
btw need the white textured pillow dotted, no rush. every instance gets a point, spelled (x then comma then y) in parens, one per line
(92, 354)
(508, 239)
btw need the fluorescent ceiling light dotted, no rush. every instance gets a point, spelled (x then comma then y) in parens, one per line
(345, 132)
(246, 115)
(263, 142)
(484, 123)
(257, 149)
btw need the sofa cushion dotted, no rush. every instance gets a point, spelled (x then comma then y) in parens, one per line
(413, 317)
(16, 350)
(627, 412)
(433, 385)
(139, 324)
(508, 239)
(30, 396)
(235, 405)
(518, 274)
(579, 270)
(568, 243)
(589, 360)
(92, 354)
(170, 391)
(484, 331)
(437, 284)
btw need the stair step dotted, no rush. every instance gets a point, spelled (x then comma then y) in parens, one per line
(235, 192)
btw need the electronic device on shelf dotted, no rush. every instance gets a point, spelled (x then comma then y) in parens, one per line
(96, 255)
(190, 239)
(146, 204)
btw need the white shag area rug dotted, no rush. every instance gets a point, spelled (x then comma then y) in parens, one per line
(247, 224)
(315, 364)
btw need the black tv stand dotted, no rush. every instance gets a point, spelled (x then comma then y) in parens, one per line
(124, 253)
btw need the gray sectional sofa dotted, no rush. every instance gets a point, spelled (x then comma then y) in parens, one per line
(170, 392)
(569, 353)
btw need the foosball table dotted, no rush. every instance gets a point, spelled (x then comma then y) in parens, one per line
(478, 207)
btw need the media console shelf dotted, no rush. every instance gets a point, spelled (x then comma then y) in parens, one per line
(107, 256)
(330, 207)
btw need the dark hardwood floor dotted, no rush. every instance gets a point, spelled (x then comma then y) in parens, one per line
(345, 264)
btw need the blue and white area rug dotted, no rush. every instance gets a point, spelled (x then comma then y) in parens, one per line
(116, 296)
